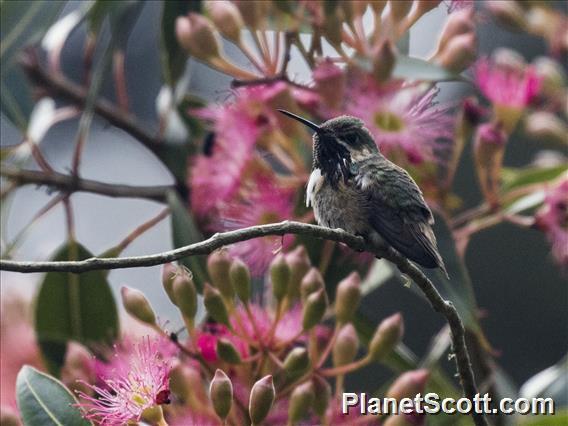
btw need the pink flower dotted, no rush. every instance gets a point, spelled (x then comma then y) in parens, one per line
(402, 120)
(505, 86)
(552, 218)
(216, 174)
(263, 200)
(207, 341)
(140, 381)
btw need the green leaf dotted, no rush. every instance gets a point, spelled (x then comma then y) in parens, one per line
(410, 68)
(185, 232)
(77, 307)
(516, 177)
(174, 57)
(549, 383)
(528, 202)
(23, 23)
(44, 401)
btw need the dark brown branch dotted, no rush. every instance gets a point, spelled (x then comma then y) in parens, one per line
(440, 305)
(56, 85)
(69, 184)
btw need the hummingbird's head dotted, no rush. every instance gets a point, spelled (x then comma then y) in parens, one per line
(337, 143)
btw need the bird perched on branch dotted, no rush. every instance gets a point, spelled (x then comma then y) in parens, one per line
(354, 187)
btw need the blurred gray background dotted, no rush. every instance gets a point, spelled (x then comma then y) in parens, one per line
(520, 290)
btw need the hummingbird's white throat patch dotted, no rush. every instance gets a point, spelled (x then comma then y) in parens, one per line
(315, 177)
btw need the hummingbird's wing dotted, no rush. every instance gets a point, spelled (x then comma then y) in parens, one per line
(397, 210)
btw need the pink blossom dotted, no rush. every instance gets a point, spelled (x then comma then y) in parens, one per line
(140, 381)
(263, 200)
(552, 218)
(401, 119)
(207, 341)
(505, 86)
(238, 125)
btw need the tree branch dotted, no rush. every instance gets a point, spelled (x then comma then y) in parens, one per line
(57, 85)
(69, 184)
(440, 305)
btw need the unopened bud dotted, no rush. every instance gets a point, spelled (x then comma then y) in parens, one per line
(137, 305)
(399, 9)
(408, 384)
(227, 351)
(296, 362)
(388, 335)
(196, 34)
(551, 73)
(226, 17)
(186, 382)
(262, 397)
(459, 54)
(279, 277)
(508, 13)
(347, 297)
(489, 149)
(253, 12)
(330, 83)
(301, 400)
(322, 391)
(458, 23)
(312, 282)
(509, 59)
(185, 295)
(240, 279)
(314, 309)
(299, 264)
(221, 394)
(218, 265)
(546, 126)
(345, 346)
(384, 61)
(168, 274)
(78, 369)
(214, 305)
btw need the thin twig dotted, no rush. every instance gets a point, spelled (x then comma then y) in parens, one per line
(69, 184)
(440, 305)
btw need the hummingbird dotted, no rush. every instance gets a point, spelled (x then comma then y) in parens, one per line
(354, 187)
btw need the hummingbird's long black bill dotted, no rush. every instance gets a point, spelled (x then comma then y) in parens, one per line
(302, 120)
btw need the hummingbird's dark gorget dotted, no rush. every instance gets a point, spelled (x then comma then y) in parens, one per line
(354, 187)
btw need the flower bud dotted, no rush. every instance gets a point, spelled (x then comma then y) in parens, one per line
(459, 54)
(214, 305)
(226, 17)
(221, 394)
(240, 279)
(186, 383)
(509, 59)
(458, 23)
(546, 126)
(296, 362)
(399, 9)
(78, 369)
(196, 34)
(279, 277)
(185, 296)
(314, 309)
(262, 397)
(227, 351)
(489, 149)
(551, 73)
(168, 274)
(218, 265)
(408, 384)
(253, 12)
(299, 264)
(345, 346)
(330, 83)
(322, 391)
(388, 335)
(137, 305)
(508, 13)
(384, 61)
(347, 297)
(312, 282)
(301, 400)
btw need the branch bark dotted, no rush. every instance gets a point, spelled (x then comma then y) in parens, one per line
(440, 305)
(70, 184)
